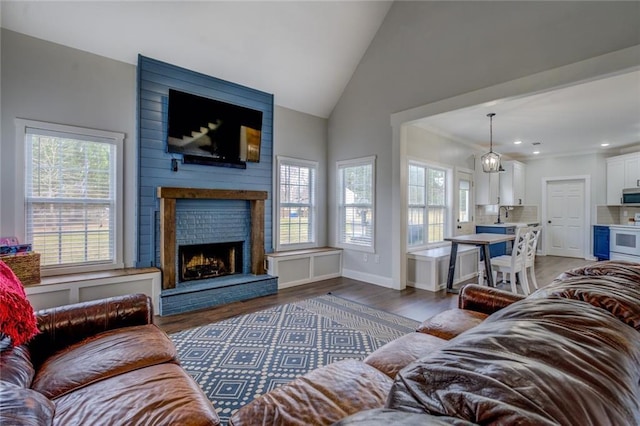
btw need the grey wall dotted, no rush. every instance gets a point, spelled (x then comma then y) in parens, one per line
(49, 82)
(428, 51)
(304, 136)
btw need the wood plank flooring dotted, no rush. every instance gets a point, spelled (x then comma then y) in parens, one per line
(411, 303)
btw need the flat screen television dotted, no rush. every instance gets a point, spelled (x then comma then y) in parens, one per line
(207, 131)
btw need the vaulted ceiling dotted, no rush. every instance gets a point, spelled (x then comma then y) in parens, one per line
(305, 52)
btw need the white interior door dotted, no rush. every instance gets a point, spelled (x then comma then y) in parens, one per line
(565, 228)
(463, 204)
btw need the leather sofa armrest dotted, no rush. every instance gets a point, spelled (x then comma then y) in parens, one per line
(65, 325)
(484, 299)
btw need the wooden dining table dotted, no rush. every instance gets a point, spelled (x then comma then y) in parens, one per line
(482, 240)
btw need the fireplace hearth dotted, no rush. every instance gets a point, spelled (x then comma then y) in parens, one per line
(206, 261)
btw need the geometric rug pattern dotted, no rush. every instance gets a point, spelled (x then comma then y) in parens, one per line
(241, 358)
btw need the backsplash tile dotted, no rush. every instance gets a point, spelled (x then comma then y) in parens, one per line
(486, 215)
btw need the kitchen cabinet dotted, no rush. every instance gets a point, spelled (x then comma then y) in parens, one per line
(623, 171)
(498, 249)
(601, 242)
(512, 183)
(487, 186)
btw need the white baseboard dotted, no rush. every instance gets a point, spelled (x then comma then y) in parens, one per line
(369, 278)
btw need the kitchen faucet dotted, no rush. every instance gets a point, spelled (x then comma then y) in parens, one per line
(506, 213)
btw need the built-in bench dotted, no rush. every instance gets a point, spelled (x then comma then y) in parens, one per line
(428, 269)
(72, 288)
(298, 267)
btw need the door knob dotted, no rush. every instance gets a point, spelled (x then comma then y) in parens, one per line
(548, 221)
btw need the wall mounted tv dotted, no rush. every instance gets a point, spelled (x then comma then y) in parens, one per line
(207, 131)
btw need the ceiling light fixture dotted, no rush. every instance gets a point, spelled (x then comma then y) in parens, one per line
(517, 142)
(536, 152)
(491, 160)
(604, 144)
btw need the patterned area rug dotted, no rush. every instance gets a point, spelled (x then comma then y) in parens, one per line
(236, 360)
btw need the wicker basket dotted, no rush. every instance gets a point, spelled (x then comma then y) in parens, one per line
(25, 266)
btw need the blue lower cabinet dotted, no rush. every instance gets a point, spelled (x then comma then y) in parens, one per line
(601, 242)
(497, 249)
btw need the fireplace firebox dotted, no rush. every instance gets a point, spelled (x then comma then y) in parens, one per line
(206, 261)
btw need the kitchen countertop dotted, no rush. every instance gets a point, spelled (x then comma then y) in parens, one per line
(506, 224)
(610, 225)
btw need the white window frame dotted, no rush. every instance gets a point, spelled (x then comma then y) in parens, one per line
(117, 139)
(313, 219)
(340, 165)
(448, 214)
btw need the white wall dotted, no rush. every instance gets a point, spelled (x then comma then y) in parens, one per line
(593, 165)
(429, 51)
(304, 136)
(48, 82)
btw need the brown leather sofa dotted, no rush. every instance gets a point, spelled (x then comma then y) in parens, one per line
(330, 393)
(568, 354)
(99, 363)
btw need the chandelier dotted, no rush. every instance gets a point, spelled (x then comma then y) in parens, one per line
(491, 160)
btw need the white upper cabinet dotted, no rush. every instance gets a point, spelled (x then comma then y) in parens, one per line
(623, 171)
(487, 185)
(512, 183)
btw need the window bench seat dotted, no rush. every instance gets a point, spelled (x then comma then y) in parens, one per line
(298, 267)
(72, 288)
(428, 269)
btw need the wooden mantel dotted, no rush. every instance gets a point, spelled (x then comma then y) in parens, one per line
(168, 197)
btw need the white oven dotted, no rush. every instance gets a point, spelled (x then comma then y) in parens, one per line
(624, 243)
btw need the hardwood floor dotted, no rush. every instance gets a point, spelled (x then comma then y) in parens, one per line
(411, 303)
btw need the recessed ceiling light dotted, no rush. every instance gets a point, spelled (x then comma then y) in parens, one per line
(605, 144)
(517, 142)
(536, 152)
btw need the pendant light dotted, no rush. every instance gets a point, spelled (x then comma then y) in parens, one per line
(491, 160)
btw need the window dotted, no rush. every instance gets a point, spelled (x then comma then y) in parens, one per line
(296, 220)
(464, 201)
(356, 181)
(427, 209)
(73, 196)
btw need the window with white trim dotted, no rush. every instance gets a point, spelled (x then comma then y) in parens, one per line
(356, 206)
(427, 204)
(296, 220)
(73, 196)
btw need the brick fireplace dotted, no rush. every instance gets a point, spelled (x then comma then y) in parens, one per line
(198, 274)
(205, 261)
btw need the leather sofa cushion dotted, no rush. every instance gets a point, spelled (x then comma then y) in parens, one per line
(158, 395)
(398, 353)
(16, 366)
(619, 295)
(536, 362)
(619, 268)
(102, 356)
(24, 407)
(450, 323)
(387, 417)
(320, 397)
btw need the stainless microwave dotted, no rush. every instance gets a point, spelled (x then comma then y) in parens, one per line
(631, 196)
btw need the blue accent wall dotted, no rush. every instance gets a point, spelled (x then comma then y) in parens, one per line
(155, 78)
